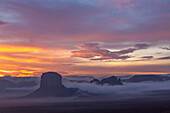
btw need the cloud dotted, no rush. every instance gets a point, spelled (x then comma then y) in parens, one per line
(2, 23)
(119, 4)
(163, 58)
(131, 50)
(74, 21)
(127, 88)
(141, 46)
(166, 48)
(62, 24)
(92, 50)
(147, 57)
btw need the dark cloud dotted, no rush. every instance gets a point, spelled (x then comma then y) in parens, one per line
(2, 23)
(92, 51)
(141, 46)
(166, 48)
(147, 57)
(164, 58)
(131, 50)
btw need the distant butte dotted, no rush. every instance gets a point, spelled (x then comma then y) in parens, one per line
(110, 81)
(51, 86)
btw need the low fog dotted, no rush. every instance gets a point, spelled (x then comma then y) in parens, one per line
(140, 87)
(15, 95)
(126, 88)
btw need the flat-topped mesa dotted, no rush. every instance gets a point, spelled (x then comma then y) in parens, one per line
(51, 80)
(51, 86)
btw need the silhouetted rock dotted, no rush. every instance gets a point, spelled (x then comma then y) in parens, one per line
(96, 81)
(110, 81)
(51, 85)
(141, 78)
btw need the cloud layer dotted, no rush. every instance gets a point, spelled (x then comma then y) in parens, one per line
(41, 35)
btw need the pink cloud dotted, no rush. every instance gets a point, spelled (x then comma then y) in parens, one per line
(122, 4)
(92, 50)
(39, 24)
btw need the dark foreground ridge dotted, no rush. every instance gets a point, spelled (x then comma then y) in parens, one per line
(129, 106)
(51, 86)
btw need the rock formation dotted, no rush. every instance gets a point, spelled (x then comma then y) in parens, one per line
(96, 81)
(110, 81)
(51, 86)
(141, 78)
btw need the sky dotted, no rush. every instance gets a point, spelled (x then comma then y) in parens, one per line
(84, 37)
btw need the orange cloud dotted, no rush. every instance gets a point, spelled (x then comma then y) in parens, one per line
(27, 61)
(9, 48)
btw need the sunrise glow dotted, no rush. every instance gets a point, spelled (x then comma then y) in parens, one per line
(84, 37)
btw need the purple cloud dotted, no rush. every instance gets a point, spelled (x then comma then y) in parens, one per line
(147, 57)
(141, 46)
(74, 21)
(92, 51)
(164, 58)
(2, 23)
(166, 48)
